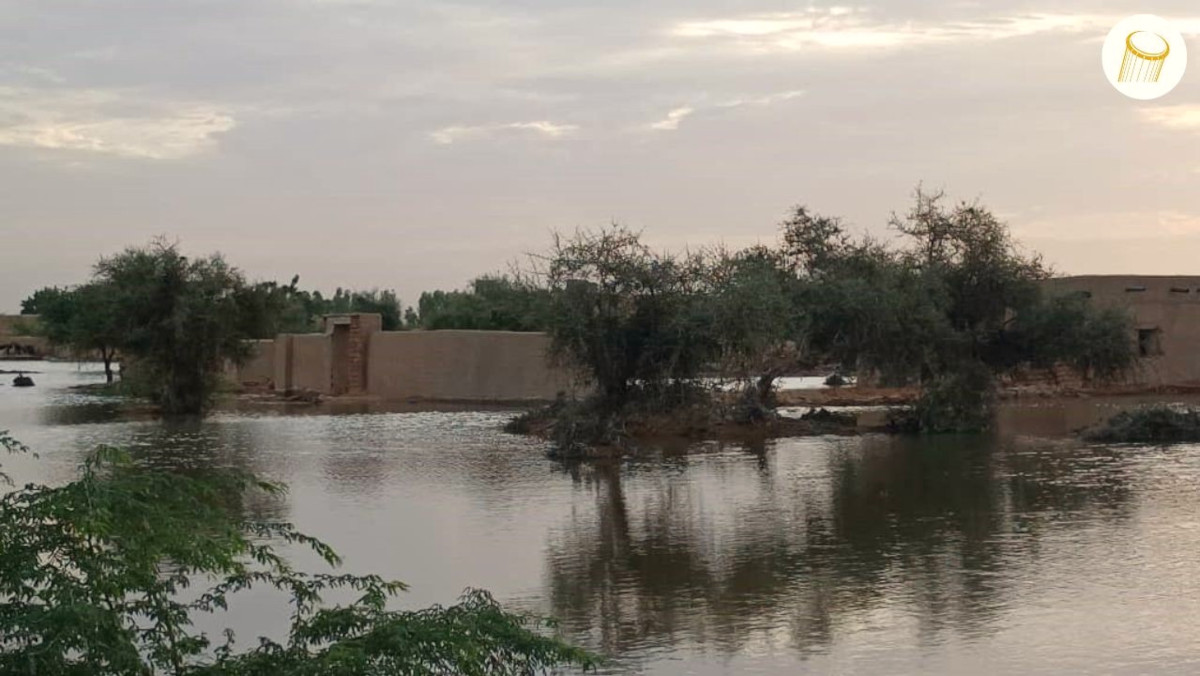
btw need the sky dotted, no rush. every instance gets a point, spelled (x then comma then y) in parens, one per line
(415, 145)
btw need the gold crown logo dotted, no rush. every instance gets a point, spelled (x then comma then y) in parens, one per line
(1145, 53)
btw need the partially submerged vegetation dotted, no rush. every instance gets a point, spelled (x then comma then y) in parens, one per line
(949, 308)
(576, 428)
(696, 337)
(1158, 423)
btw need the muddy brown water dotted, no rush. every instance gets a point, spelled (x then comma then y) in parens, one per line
(1021, 552)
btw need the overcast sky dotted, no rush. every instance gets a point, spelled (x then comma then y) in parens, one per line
(414, 145)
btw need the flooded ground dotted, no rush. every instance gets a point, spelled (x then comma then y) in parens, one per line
(1022, 552)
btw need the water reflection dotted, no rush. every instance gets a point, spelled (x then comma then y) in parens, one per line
(807, 540)
(1004, 554)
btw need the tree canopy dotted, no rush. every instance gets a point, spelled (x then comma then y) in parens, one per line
(953, 304)
(490, 302)
(83, 319)
(179, 320)
(949, 305)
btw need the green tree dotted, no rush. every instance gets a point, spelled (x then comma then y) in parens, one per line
(106, 575)
(756, 320)
(383, 302)
(491, 302)
(40, 300)
(636, 321)
(954, 305)
(83, 319)
(179, 320)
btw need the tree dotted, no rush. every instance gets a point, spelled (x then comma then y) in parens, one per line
(40, 300)
(491, 303)
(99, 576)
(383, 302)
(755, 319)
(635, 320)
(955, 305)
(83, 319)
(179, 321)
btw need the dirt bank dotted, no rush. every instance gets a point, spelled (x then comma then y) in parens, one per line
(848, 396)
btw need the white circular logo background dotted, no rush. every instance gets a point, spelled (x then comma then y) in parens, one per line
(1144, 57)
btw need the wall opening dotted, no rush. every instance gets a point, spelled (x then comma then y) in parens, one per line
(1149, 342)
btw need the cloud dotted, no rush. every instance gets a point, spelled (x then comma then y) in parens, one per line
(677, 115)
(108, 122)
(844, 28)
(673, 118)
(767, 100)
(543, 128)
(1182, 117)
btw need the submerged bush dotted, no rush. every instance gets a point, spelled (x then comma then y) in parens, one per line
(959, 401)
(1156, 423)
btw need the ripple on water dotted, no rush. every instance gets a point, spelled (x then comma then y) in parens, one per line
(826, 555)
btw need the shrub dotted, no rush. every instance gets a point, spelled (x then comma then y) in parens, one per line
(1159, 423)
(100, 576)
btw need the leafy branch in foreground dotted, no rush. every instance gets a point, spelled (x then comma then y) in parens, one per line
(96, 577)
(9, 445)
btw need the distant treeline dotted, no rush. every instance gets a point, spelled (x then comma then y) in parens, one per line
(491, 302)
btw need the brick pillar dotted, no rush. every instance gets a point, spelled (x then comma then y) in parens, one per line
(358, 328)
(356, 375)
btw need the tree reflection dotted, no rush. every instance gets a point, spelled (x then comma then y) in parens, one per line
(812, 537)
(196, 447)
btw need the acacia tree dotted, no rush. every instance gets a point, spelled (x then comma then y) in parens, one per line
(82, 319)
(635, 320)
(756, 322)
(179, 320)
(100, 576)
(955, 305)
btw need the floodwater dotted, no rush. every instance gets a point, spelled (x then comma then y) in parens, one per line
(1005, 554)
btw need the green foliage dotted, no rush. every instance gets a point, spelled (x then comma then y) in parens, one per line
(273, 308)
(56, 309)
(83, 319)
(37, 302)
(950, 307)
(179, 320)
(382, 302)
(955, 304)
(755, 320)
(637, 322)
(865, 309)
(960, 400)
(1070, 330)
(106, 575)
(9, 445)
(492, 302)
(1159, 423)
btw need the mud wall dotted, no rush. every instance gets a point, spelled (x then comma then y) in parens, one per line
(462, 365)
(259, 368)
(310, 367)
(1166, 317)
(432, 365)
